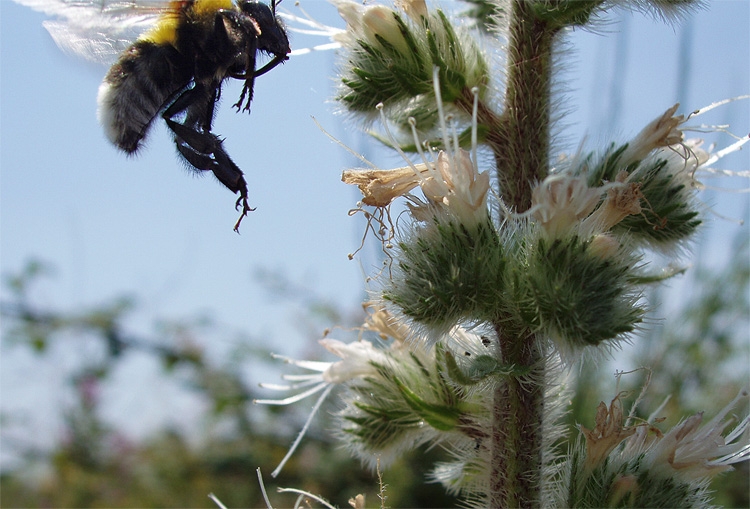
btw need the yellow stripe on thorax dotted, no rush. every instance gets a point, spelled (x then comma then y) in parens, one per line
(165, 30)
(203, 8)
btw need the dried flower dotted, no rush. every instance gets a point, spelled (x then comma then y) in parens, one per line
(384, 324)
(623, 199)
(451, 182)
(380, 187)
(564, 203)
(608, 432)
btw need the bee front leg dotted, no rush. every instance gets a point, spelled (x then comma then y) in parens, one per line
(244, 28)
(247, 89)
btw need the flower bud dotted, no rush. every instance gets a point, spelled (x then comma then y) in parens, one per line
(604, 246)
(415, 9)
(379, 22)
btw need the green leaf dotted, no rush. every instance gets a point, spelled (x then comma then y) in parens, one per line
(440, 417)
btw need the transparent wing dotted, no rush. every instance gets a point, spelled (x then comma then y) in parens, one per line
(98, 30)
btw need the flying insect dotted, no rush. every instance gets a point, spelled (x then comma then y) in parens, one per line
(175, 68)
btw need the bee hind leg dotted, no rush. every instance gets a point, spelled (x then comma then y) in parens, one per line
(204, 152)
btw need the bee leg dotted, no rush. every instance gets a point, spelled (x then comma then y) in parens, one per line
(249, 76)
(204, 151)
(251, 29)
(247, 89)
(198, 102)
(184, 101)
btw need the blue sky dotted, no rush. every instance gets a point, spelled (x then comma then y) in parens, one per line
(145, 226)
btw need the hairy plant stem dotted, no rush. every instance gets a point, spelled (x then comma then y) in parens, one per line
(521, 143)
(521, 147)
(517, 427)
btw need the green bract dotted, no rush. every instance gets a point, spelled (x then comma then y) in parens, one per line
(578, 296)
(396, 69)
(449, 272)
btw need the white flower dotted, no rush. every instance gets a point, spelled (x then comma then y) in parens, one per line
(564, 203)
(356, 361)
(661, 132)
(692, 451)
(686, 158)
(415, 9)
(561, 201)
(307, 25)
(689, 160)
(452, 184)
(458, 186)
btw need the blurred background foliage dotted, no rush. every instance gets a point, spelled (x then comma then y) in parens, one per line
(698, 355)
(94, 464)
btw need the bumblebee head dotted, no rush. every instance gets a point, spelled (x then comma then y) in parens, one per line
(273, 38)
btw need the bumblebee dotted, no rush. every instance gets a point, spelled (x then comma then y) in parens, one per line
(175, 69)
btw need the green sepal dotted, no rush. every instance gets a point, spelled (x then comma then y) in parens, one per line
(376, 428)
(627, 482)
(449, 271)
(668, 213)
(486, 13)
(582, 297)
(383, 74)
(647, 279)
(380, 413)
(440, 417)
(379, 421)
(401, 78)
(599, 172)
(452, 81)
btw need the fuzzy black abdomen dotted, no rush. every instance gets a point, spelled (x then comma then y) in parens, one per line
(145, 78)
